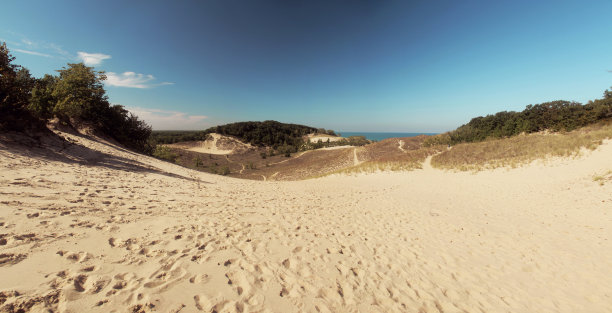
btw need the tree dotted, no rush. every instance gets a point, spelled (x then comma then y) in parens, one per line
(42, 101)
(80, 94)
(608, 94)
(15, 87)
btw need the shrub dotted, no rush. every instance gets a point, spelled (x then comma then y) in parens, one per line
(164, 153)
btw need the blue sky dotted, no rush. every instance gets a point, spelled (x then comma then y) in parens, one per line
(426, 66)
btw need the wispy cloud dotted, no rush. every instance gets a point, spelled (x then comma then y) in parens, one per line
(132, 80)
(163, 119)
(21, 43)
(27, 42)
(92, 59)
(33, 53)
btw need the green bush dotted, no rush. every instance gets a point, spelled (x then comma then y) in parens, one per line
(164, 153)
(555, 116)
(224, 170)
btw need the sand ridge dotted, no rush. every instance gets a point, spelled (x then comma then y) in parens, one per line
(91, 227)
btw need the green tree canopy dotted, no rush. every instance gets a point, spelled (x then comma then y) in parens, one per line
(80, 93)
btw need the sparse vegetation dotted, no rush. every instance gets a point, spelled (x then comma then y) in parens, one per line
(224, 170)
(165, 153)
(603, 178)
(518, 150)
(408, 161)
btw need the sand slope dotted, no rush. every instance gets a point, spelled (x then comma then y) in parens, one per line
(89, 227)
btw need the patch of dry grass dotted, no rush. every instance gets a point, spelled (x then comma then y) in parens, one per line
(522, 149)
(407, 161)
(603, 178)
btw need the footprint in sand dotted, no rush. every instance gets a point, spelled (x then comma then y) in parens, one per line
(79, 283)
(7, 259)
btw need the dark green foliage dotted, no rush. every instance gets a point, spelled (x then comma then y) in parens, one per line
(15, 88)
(174, 136)
(608, 94)
(224, 170)
(42, 101)
(323, 131)
(198, 162)
(554, 116)
(268, 133)
(80, 94)
(76, 97)
(126, 128)
(286, 150)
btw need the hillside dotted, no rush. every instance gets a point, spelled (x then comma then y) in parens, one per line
(268, 133)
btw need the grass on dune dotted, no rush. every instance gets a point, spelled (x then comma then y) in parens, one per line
(408, 161)
(603, 178)
(522, 149)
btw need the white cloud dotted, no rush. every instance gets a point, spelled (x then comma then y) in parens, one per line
(27, 41)
(92, 59)
(33, 53)
(132, 80)
(169, 120)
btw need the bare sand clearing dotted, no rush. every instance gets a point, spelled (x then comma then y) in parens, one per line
(215, 144)
(324, 138)
(99, 229)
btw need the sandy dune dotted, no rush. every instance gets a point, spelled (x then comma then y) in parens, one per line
(92, 228)
(323, 138)
(215, 144)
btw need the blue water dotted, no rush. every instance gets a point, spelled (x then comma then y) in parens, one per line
(381, 136)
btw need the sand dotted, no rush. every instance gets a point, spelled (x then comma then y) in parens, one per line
(314, 138)
(94, 228)
(216, 144)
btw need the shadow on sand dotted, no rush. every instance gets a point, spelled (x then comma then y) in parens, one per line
(52, 147)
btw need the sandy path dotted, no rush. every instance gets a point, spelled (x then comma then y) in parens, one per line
(427, 163)
(130, 233)
(400, 144)
(355, 159)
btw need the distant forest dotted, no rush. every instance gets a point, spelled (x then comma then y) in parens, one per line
(165, 137)
(553, 116)
(269, 133)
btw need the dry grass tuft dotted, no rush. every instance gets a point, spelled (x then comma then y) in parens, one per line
(522, 149)
(603, 178)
